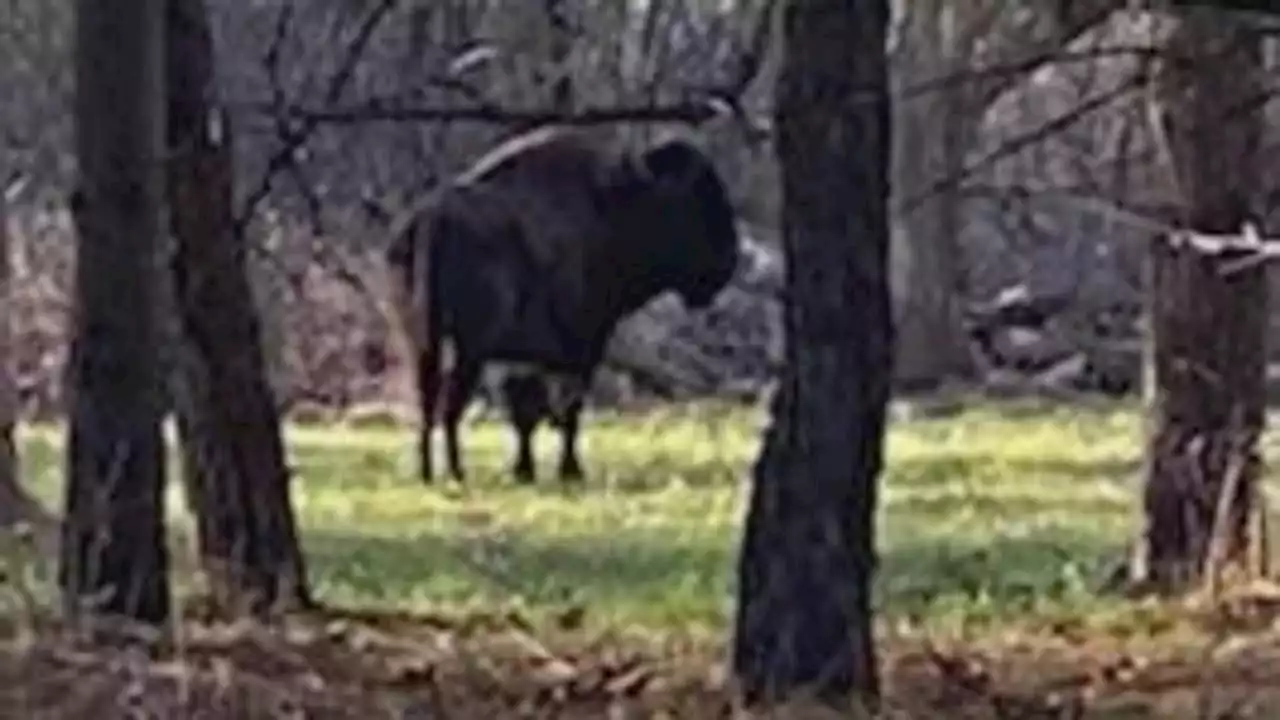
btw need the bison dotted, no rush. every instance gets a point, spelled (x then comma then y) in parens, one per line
(533, 255)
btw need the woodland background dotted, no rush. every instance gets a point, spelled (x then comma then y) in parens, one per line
(1025, 175)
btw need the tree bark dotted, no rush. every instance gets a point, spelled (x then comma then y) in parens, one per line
(114, 561)
(803, 625)
(233, 453)
(1209, 323)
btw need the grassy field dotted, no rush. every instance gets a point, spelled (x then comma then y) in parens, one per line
(984, 517)
(991, 521)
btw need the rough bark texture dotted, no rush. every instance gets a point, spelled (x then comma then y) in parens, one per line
(804, 616)
(1209, 355)
(114, 559)
(233, 454)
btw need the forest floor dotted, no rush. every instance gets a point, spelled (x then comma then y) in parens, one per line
(997, 530)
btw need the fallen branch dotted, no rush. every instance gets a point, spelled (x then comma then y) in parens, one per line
(1255, 249)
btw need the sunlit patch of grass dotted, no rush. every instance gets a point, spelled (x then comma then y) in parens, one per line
(986, 517)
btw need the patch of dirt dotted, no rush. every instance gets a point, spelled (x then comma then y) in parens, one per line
(367, 666)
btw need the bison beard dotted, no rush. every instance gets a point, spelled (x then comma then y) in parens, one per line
(534, 255)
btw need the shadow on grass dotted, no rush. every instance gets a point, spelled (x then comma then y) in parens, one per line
(491, 471)
(664, 470)
(1006, 506)
(664, 583)
(630, 576)
(972, 580)
(948, 466)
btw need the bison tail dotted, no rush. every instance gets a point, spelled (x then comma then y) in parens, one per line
(427, 299)
(414, 316)
(428, 324)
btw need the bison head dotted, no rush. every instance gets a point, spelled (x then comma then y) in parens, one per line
(690, 222)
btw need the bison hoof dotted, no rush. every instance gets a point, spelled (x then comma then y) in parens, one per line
(571, 472)
(524, 474)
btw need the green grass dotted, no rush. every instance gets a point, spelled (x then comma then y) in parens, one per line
(985, 517)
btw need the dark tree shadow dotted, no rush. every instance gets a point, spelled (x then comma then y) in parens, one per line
(684, 581)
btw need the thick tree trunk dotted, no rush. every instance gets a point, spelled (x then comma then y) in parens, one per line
(114, 560)
(1209, 361)
(804, 609)
(233, 453)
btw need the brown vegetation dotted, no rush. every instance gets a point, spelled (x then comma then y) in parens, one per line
(342, 665)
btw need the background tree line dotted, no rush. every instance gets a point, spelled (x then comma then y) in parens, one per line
(1047, 172)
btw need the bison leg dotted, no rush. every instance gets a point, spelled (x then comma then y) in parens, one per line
(428, 394)
(526, 400)
(459, 388)
(570, 416)
(525, 471)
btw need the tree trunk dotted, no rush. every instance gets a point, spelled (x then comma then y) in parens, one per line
(803, 624)
(114, 561)
(933, 132)
(1202, 499)
(233, 454)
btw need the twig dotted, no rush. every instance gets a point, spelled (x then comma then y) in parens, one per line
(1032, 137)
(693, 112)
(297, 136)
(704, 105)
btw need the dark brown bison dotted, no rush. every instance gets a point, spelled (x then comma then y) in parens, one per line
(533, 255)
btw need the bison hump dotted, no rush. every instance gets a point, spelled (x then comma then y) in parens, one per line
(549, 151)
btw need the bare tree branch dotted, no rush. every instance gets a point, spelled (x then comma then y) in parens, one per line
(1012, 72)
(694, 112)
(297, 136)
(699, 106)
(1017, 144)
(1074, 18)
